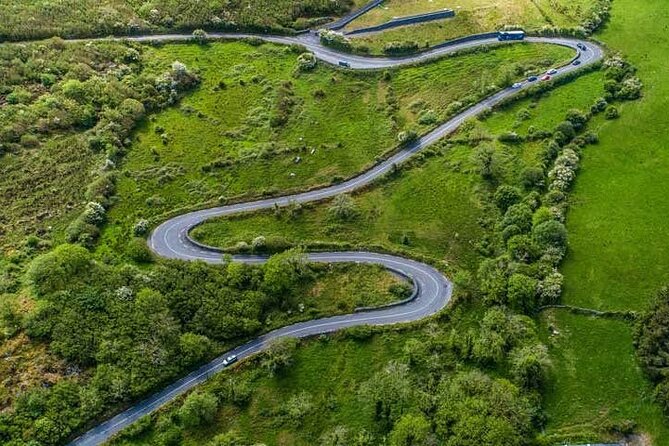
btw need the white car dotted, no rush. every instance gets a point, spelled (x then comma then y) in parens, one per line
(229, 360)
(552, 71)
(517, 85)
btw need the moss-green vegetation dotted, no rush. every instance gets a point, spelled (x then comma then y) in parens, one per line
(225, 142)
(32, 19)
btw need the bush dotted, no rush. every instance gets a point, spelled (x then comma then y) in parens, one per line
(141, 228)
(198, 409)
(519, 215)
(138, 250)
(94, 213)
(334, 39)
(551, 233)
(506, 196)
(59, 269)
(427, 117)
(611, 112)
(529, 366)
(396, 48)
(200, 36)
(550, 289)
(522, 292)
(533, 178)
(407, 137)
(279, 355)
(343, 208)
(306, 62)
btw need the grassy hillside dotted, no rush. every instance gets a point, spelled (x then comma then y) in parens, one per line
(30, 19)
(247, 132)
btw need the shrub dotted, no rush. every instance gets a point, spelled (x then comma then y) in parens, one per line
(58, 269)
(522, 292)
(611, 112)
(279, 355)
(427, 117)
(529, 366)
(522, 248)
(94, 213)
(550, 288)
(342, 208)
(400, 47)
(519, 215)
(198, 409)
(533, 178)
(551, 233)
(306, 62)
(141, 228)
(200, 36)
(407, 136)
(138, 250)
(506, 196)
(334, 39)
(577, 118)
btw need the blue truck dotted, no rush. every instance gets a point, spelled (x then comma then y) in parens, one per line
(510, 35)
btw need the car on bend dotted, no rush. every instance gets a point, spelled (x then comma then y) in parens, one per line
(546, 77)
(576, 63)
(230, 360)
(532, 79)
(551, 72)
(581, 47)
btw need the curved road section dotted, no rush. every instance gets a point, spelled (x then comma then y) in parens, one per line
(433, 291)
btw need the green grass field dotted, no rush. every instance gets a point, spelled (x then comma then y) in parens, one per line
(617, 227)
(336, 134)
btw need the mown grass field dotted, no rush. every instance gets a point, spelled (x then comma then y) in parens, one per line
(338, 123)
(617, 226)
(471, 16)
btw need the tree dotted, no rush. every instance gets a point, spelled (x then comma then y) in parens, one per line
(59, 269)
(520, 215)
(551, 233)
(279, 355)
(391, 392)
(522, 292)
(284, 271)
(529, 366)
(193, 348)
(485, 160)
(410, 430)
(577, 118)
(343, 208)
(198, 409)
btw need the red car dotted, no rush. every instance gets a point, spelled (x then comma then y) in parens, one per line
(546, 78)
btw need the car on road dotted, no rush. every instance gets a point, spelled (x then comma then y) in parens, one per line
(532, 79)
(229, 360)
(581, 47)
(576, 63)
(343, 63)
(551, 72)
(546, 78)
(517, 85)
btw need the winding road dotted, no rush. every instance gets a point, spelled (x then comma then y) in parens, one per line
(433, 291)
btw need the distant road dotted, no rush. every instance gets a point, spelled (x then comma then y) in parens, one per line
(171, 239)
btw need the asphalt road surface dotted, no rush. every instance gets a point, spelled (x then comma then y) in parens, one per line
(171, 239)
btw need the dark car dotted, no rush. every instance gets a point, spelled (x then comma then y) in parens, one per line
(343, 63)
(576, 62)
(582, 47)
(532, 79)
